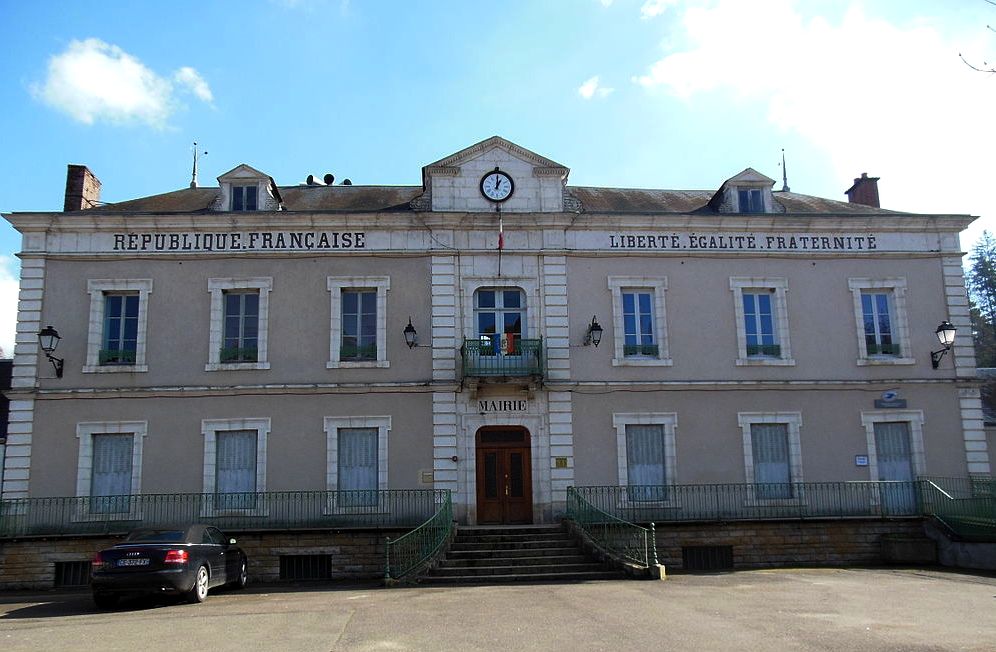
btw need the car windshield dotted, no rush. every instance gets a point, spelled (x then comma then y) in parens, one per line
(166, 536)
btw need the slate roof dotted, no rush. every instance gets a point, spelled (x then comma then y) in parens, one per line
(396, 198)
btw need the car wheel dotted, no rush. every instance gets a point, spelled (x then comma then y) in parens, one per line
(199, 592)
(105, 600)
(243, 578)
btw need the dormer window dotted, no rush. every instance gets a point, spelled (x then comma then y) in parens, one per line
(244, 198)
(751, 200)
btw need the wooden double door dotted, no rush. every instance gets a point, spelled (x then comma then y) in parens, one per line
(504, 478)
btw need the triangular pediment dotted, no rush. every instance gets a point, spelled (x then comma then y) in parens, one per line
(752, 176)
(242, 171)
(495, 142)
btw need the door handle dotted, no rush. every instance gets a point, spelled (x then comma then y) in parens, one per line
(506, 490)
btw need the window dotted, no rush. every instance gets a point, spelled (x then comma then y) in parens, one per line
(880, 315)
(638, 324)
(772, 454)
(110, 466)
(120, 328)
(762, 321)
(895, 455)
(358, 324)
(357, 460)
(234, 464)
(235, 469)
(750, 200)
(500, 320)
(240, 309)
(118, 317)
(645, 449)
(241, 326)
(639, 320)
(244, 198)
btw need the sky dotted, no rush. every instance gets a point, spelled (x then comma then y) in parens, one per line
(626, 93)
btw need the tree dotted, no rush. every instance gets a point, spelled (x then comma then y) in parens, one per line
(986, 66)
(981, 282)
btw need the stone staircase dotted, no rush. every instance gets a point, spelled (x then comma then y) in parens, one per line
(523, 553)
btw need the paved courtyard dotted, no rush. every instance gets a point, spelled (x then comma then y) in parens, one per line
(814, 609)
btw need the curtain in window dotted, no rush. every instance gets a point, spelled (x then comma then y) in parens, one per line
(895, 462)
(645, 462)
(357, 471)
(772, 475)
(235, 470)
(110, 479)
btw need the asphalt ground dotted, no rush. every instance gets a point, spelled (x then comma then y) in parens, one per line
(811, 609)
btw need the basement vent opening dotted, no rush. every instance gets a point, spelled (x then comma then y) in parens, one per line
(72, 573)
(707, 558)
(305, 567)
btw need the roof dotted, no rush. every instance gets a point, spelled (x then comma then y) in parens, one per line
(396, 198)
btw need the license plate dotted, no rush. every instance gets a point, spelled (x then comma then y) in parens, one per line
(133, 562)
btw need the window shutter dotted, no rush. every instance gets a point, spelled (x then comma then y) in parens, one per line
(892, 449)
(645, 461)
(357, 471)
(235, 469)
(769, 442)
(111, 473)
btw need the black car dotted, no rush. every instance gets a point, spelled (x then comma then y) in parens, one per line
(180, 561)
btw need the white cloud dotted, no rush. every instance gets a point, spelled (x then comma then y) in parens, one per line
(591, 88)
(92, 81)
(654, 8)
(192, 79)
(9, 289)
(893, 100)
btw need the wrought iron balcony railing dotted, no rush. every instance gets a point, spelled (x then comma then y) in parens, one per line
(485, 357)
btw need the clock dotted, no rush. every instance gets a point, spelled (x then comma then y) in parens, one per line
(497, 185)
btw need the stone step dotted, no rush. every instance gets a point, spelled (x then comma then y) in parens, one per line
(498, 538)
(548, 560)
(521, 552)
(518, 569)
(510, 545)
(585, 576)
(509, 529)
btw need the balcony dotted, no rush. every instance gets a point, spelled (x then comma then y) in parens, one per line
(484, 358)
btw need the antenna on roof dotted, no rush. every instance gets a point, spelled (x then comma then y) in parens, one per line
(193, 176)
(785, 181)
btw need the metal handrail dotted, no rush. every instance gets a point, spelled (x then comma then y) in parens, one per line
(282, 510)
(411, 551)
(619, 538)
(484, 357)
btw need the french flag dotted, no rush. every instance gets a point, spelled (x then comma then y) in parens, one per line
(501, 233)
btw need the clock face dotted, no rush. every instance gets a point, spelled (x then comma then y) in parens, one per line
(496, 185)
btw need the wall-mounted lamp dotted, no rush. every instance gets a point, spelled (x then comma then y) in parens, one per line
(594, 334)
(48, 339)
(411, 335)
(945, 335)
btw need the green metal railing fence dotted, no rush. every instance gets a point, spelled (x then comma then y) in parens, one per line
(621, 539)
(243, 511)
(966, 506)
(732, 502)
(410, 552)
(482, 357)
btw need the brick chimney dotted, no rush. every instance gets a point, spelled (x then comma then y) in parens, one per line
(864, 191)
(82, 188)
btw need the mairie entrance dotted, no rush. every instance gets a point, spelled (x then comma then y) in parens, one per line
(504, 480)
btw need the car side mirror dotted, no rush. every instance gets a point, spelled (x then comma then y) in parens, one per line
(232, 541)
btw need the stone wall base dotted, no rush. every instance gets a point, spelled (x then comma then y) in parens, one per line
(768, 544)
(355, 554)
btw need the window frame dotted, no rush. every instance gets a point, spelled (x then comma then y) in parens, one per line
(901, 332)
(657, 286)
(209, 430)
(778, 287)
(793, 421)
(761, 194)
(240, 189)
(217, 288)
(669, 421)
(336, 285)
(98, 289)
(332, 425)
(85, 432)
(917, 452)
